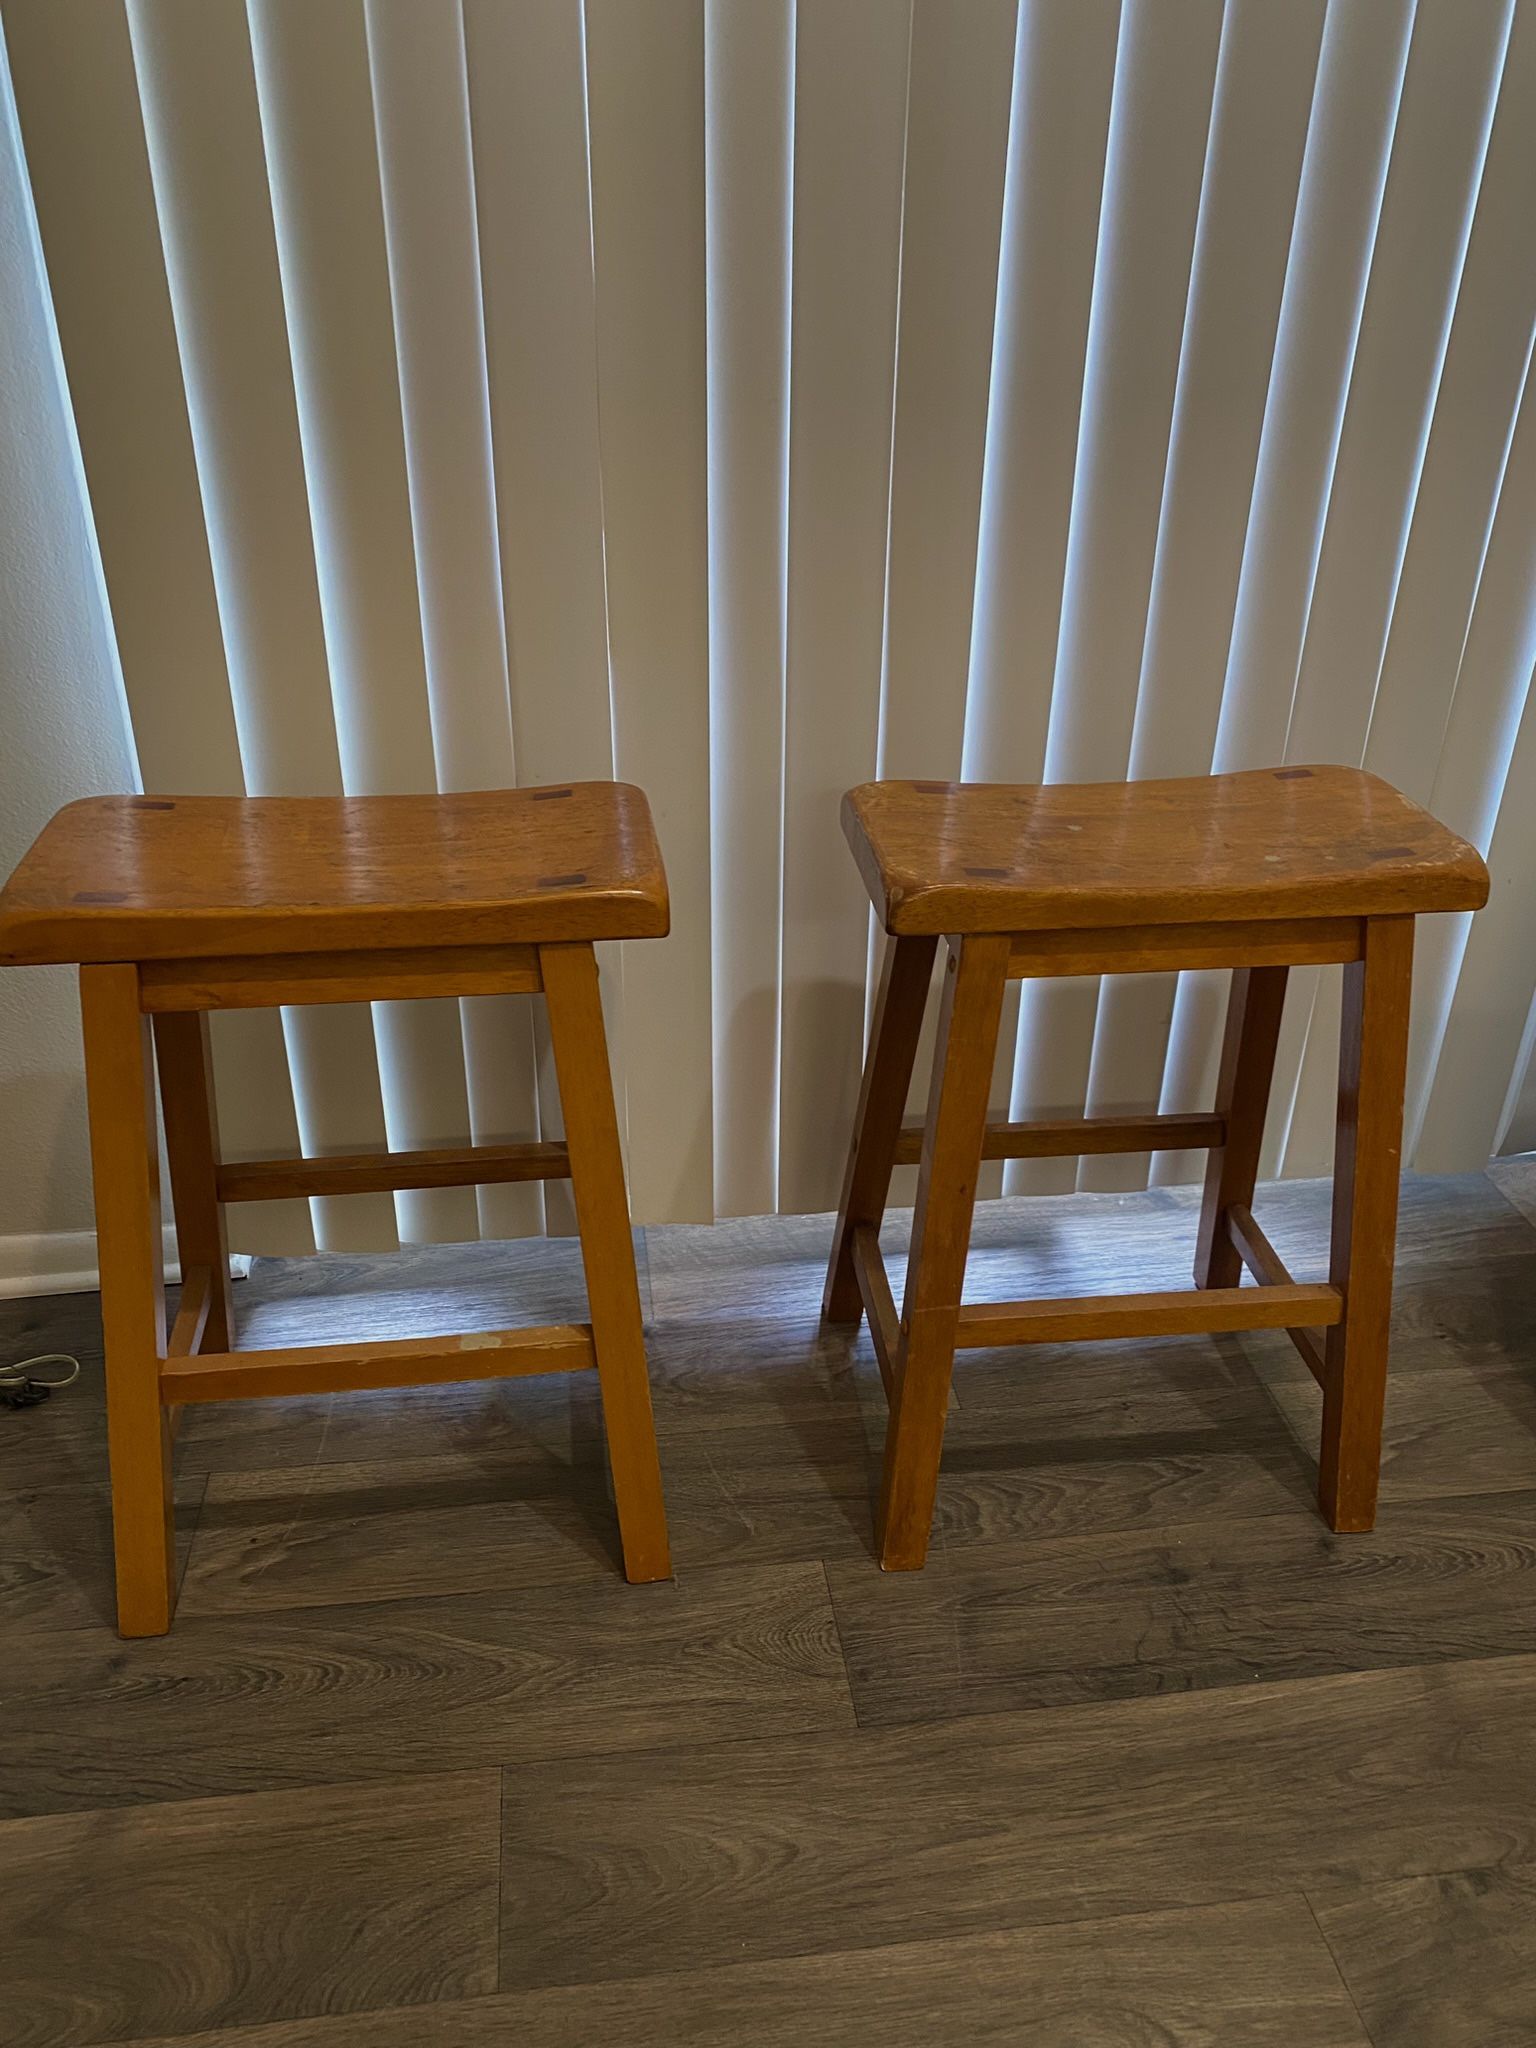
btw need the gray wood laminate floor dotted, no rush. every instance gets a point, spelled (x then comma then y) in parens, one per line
(1144, 1756)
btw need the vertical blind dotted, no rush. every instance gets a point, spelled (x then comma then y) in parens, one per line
(747, 400)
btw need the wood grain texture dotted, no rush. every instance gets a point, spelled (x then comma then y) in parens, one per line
(1139, 1442)
(1367, 1168)
(755, 1850)
(474, 1521)
(1132, 1458)
(1167, 948)
(1077, 1137)
(156, 877)
(372, 1691)
(1266, 843)
(191, 1324)
(900, 1001)
(184, 1058)
(1445, 1961)
(1252, 1032)
(1270, 1270)
(1443, 1433)
(383, 1362)
(1516, 1180)
(580, 1043)
(257, 981)
(362, 1173)
(56, 1540)
(990, 1628)
(219, 1912)
(964, 1049)
(879, 1303)
(1256, 1973)
(125, 1171)
(1076, 1317)
(710, 1379)
(416, 1583)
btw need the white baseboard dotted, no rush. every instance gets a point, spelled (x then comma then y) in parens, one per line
(60, 1262)
(64, 1262)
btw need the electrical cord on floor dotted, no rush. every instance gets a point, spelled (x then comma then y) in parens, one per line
(19, 1388)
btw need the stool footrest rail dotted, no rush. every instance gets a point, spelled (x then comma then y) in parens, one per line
(350, 1368)
(1183, 1312)
(1075, 1137)
(372, 1173)
(1278, 1303)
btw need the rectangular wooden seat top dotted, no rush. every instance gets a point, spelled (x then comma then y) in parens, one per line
(1268, 843)
(174, 878)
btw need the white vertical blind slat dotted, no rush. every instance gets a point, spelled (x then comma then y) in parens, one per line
(749, 140)
(1165, 74)
(316, 96)
(1479, 1052)
(528, 120)
(956, 152)
(645, 82)
(527, 94)
(850, 121)
(1059, 120)
(421, 112)
(1486, 750)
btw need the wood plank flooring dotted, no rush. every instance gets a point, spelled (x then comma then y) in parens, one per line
(1145, 1755)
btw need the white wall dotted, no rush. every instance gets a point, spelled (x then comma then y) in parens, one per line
(63, 734)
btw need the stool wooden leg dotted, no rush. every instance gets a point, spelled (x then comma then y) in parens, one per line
(192, 1152)
(1367, 1162)
(899, 1007)
(608, 1254)
(1242, 1098)
(941, 1235)
(126, 1166)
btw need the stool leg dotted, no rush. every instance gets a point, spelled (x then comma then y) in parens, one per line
(941, 1235)
(899, 1007)
(125, 1163)
(607, 1252)
(192, 1153)
(1373, 1063)
(1242, 1098)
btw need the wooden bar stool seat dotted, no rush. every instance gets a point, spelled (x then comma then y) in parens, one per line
(1258, 872)
(176, 906)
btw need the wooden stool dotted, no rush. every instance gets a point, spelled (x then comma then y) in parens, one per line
(175, 907)
(1258, 872)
